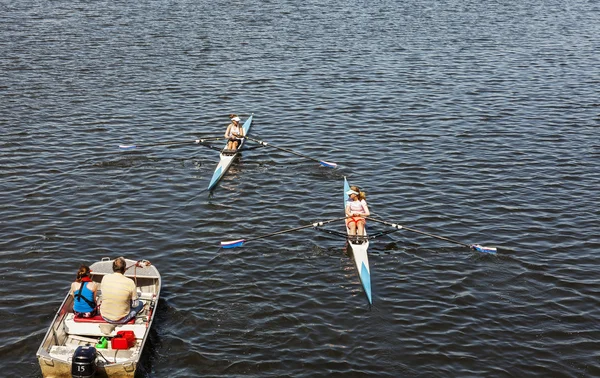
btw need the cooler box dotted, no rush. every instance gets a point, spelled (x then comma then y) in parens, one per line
(123, 340)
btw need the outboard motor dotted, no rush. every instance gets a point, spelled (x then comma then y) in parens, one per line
(84, 362)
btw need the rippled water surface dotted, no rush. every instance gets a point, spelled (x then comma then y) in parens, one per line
(476, 121)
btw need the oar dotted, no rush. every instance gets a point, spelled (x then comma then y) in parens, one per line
(476, 247)
(322, 162)
(240, 242)
(174, 143)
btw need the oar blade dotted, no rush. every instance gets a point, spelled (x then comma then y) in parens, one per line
(233, 243)
(328, 164)
(127, 147)
(482, 249)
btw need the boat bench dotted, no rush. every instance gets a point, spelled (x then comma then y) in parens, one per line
(65, 353)
(98, 328)
(229, 152)
(96, 319)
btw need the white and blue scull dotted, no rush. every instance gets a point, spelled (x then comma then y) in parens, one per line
(359, 247)
(226, 156)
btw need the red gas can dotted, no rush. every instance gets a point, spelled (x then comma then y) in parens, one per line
(123, 340)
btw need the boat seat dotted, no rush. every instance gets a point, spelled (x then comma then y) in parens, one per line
(96, 319)
(227, 152)
(95, 327)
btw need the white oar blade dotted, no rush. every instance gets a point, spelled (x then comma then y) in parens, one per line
(480, 248)
(233, 243)
(328, 164)
(126, 147)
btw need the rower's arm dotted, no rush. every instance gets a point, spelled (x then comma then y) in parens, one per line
(366, 209)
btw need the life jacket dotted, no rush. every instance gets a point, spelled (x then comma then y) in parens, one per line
(82, 299)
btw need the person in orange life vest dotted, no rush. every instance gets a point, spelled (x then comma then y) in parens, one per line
(234, 132)
(120, 303)
(84, 291)
(356, 211)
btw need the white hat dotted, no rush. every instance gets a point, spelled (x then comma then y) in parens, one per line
(237, 119)
(351, 192)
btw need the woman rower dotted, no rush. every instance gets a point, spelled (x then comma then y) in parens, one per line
(356, 211)
(234, 133)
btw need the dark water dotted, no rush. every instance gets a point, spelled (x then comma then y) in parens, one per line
(477, 121)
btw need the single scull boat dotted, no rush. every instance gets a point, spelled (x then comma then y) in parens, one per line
(359, 247)
(226, 156)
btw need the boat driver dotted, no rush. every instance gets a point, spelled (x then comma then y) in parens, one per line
(120, 303)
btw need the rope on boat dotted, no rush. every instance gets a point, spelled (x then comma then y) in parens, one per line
(141, 264)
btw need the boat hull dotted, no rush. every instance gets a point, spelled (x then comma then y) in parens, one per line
(65, 334)
(226, 157)
(359, 253)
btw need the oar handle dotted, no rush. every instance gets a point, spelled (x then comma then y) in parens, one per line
(400, 227)
(266, 144)
(436, 236)
(240, 242)
(171, 143)
(323, 163)
(315, 224)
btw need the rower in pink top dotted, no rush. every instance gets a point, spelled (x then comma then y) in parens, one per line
(356, 211)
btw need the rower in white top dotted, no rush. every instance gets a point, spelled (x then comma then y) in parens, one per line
(234, 133)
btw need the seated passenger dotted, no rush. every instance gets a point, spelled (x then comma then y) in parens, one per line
(119, 295)
(83, 291)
